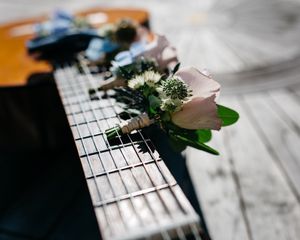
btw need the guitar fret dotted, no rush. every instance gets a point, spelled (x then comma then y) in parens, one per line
(135, 194)
(122, 175)
(70, 109)
(179, 231)
(78, 118)
(109, 181)
(105, 149)
(89, 175)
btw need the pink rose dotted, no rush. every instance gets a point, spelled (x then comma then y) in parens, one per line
(201, 111)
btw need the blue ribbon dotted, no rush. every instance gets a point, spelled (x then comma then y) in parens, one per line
(125, 58)
(59, 24)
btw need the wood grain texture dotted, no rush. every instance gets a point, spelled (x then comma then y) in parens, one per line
(214, 177)
(279, 137)
(269, 199)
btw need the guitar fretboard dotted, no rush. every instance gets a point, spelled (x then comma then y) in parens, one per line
(133, 193)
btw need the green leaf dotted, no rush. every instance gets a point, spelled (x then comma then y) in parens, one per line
(126, 72)
(175, 69)
(154, 101)
(227, 115)
(203, 135)
(176, 144)
(196, 144)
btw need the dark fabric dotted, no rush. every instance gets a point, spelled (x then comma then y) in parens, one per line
(43, 190)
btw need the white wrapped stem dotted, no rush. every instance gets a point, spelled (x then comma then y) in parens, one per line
(112, 83)
(135, 123)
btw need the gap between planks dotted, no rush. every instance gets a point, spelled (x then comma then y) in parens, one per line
(262, 170)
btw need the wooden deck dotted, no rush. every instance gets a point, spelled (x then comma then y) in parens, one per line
(252, 191)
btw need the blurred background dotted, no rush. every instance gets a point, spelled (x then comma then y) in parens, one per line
(251, 191)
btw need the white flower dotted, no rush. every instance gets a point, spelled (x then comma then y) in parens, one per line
(151, 78)
(174, 87)
(171, 105)
(136, 82)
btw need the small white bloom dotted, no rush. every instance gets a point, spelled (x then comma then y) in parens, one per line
(171, 105)
(136, 82)
(151, 78)
(175, 88)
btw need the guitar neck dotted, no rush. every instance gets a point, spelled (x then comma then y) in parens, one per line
(133, 193)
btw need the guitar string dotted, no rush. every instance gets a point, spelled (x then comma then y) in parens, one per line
(137, 182)
(180, 231)
(105, 209)
(126, 157)
(193, 226)
(196, 229)
(165, 236)
(100, 158)
(91, 80)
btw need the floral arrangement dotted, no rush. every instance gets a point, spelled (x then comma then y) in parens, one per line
(151, 86)
(158, 55)
(183, 104)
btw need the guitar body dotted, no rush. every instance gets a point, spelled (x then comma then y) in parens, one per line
(16, 65)
(41, 175)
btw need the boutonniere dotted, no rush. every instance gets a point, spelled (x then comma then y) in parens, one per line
(157, 55)
(182, 104)
(115, 37)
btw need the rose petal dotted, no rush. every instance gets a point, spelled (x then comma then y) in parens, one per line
(199, 113)
(155, 48)
(201, 84)
(168, 56)
(161, 50)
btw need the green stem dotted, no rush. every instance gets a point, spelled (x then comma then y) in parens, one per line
(113, 132)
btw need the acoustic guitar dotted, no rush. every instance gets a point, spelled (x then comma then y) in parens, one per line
(133, 193)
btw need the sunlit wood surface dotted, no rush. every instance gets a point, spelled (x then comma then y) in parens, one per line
(252, 191)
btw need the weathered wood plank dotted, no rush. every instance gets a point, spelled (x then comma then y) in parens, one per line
(288, 104)
(218, 193)
(277, 134)
(271, 206)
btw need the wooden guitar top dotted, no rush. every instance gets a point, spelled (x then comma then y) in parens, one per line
(16, 65)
